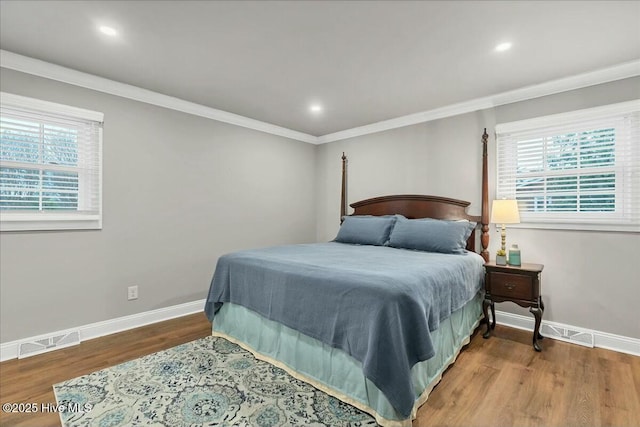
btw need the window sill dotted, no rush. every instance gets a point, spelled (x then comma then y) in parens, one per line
(39, 222)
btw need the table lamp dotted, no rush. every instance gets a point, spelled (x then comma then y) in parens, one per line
(504, 212)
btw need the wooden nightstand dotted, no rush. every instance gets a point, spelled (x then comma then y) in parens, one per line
(519, 284)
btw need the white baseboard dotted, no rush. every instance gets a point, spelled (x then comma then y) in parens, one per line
(605, 340)
(9, 350)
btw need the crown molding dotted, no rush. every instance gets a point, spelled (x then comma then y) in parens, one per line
(411, 119)
(44, 69)
(47, 70)
(604, 75)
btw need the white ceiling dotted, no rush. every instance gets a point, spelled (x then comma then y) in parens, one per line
(365, 62)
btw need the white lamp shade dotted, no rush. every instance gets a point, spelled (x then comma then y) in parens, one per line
(505, 212)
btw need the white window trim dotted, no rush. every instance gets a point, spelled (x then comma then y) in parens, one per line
(43, 221)
(578, 115)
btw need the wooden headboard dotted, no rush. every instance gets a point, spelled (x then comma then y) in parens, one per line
(421, 206)
(418, 206)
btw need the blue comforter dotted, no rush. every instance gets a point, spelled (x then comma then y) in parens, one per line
(378, 304)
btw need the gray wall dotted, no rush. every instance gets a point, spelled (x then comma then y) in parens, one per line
(179, 191)
(590, 278)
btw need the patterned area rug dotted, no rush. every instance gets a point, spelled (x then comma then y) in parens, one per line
(205, 382)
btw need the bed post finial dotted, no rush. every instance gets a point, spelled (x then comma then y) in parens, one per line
(484, 238)
(343, 195)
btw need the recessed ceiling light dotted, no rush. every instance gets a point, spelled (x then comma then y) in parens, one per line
(110, 31)
(315, 108)
(502, 47)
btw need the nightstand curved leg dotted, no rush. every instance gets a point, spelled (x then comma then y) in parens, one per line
(485, 309)
(487, 321)
(493, 315)
(537, 313)
(541, 303)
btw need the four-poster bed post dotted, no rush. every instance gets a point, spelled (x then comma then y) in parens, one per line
(484, 237)
(343, 195)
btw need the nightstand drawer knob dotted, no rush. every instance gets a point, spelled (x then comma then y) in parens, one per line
(509, 286)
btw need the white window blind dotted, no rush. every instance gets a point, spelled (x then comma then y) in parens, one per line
(50, 165)
(578, 170)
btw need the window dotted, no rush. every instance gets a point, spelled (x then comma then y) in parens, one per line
(50, 165)
(578, 170)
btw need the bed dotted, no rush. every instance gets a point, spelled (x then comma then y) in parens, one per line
(372, 318)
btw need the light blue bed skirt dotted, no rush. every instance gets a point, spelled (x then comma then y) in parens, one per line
(334, 371)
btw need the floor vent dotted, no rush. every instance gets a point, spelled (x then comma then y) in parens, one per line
(563, 334)
(44, 345)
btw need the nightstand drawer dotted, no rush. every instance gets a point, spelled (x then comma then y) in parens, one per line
(511, 285)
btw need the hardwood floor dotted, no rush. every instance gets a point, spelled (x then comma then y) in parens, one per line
(501, 381)
(496, 382)
(31, 379)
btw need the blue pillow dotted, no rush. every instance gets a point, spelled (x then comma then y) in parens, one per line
(366, 230)
(431, 235)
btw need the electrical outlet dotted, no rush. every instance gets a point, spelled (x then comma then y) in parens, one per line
(132, 292)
